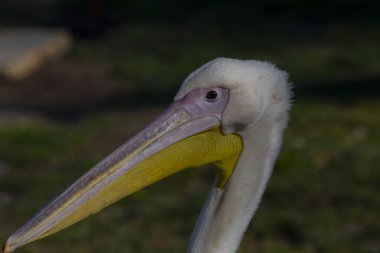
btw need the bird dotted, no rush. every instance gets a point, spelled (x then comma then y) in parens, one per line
(230, 113)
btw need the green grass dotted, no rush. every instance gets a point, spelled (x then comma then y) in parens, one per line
(323, 196)
(146, 53)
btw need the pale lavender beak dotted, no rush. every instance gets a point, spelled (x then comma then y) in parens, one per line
(192, 114)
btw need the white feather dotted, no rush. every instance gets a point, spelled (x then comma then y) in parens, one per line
(257, 109)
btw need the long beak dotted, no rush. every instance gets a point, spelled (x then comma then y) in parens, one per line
(186, 135)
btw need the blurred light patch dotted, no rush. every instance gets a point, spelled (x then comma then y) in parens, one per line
(23, 51)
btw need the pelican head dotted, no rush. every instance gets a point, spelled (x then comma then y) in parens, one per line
(229, 113)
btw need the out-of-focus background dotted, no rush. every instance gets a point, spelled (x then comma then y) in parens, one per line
(78, 78)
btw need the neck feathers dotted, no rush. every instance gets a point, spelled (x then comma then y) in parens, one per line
(228, 211)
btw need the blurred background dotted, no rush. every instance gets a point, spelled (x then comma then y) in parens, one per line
(78, 78)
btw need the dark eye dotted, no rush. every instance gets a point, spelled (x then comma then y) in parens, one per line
(212, 95)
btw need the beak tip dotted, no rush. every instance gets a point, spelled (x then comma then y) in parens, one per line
(5, 247)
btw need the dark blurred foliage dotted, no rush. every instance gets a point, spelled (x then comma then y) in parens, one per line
(93, 17)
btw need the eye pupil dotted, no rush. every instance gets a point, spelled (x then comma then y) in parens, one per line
(212, 95)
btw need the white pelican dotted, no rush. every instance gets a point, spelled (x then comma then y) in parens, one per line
(230, 113)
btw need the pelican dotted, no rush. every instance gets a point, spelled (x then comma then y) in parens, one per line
(230, 113)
